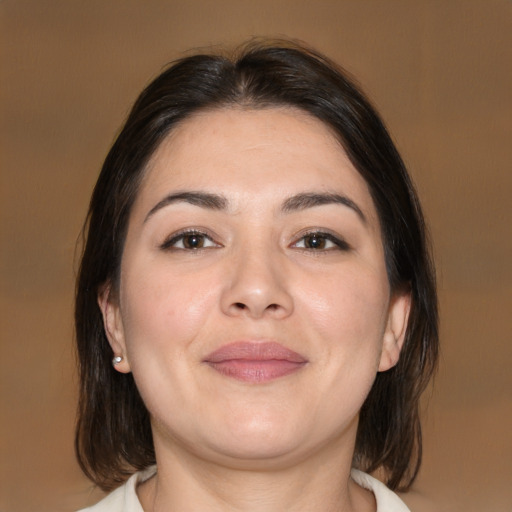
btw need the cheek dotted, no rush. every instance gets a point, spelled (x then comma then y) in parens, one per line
(164, 310)
(348, 316)
(163, 315)
(350, 307)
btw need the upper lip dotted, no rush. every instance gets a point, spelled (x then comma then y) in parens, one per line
(254, 351)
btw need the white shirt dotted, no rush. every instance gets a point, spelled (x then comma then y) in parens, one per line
(124, 498)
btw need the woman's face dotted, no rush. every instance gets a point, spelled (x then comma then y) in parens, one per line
(254, 308)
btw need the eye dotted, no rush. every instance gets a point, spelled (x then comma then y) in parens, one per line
(190, 241)
(319, 241)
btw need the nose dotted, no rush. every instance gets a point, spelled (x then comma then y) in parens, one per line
(257, 287)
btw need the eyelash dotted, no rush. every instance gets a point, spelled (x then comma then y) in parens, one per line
(338, 243)
(170, 243)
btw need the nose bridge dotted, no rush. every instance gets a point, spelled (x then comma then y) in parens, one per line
(257, 283)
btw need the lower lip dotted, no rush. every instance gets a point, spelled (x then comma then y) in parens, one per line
(256, 371)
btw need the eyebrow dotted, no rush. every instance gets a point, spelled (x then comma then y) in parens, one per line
(309, 200)
(202, 199)
(295, 203)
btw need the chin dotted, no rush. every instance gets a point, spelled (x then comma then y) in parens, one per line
(258, 438)
(256, 454)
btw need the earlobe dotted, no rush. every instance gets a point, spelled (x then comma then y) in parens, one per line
(394, 335)
(113, 325)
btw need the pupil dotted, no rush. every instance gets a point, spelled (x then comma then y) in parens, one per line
(315, 242)
(193, 241)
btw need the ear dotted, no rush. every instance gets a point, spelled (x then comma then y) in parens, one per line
(394, 335)
(113, 325)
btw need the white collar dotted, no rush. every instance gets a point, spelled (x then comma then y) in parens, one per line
(125, 499)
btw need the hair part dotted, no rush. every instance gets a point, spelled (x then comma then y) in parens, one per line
(113, 433)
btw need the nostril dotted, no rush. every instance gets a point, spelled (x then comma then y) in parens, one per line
(240, 305)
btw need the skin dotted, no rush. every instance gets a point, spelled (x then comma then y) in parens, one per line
(221, 443)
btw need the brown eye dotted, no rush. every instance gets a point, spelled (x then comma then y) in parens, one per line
(193, 241)
(315, 241)
(319, 241)
(189, 241)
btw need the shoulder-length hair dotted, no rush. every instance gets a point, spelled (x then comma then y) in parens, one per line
(113, 433)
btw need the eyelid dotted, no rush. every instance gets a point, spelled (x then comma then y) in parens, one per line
(176, 236)
(337, 240)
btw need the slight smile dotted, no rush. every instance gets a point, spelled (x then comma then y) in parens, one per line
(255, 362)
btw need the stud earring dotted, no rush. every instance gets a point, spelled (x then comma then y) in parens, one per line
(117, 360)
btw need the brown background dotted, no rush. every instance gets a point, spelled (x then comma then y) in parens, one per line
(440, 73)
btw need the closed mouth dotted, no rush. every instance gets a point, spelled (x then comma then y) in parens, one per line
(255, 361)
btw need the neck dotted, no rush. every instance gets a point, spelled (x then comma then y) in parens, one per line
(186, 482)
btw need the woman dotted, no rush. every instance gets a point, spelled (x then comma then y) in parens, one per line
(256, 309)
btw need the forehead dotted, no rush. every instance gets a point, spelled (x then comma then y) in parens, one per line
(253, 155)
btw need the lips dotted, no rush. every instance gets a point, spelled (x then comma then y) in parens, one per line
(255, 362)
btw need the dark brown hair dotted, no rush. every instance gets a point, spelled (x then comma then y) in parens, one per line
(113, 434)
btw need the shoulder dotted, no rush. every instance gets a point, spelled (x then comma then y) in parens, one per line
(124, 498)
(114, 502)
(387, 500)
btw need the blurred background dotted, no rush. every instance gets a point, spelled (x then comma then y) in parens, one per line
(440, 73)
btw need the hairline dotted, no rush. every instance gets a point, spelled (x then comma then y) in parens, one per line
(249, 104)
